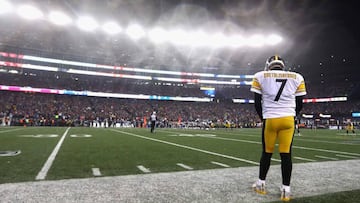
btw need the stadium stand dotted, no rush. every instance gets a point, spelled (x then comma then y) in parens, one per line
(48, 109)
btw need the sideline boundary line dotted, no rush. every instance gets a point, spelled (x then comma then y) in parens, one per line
(45, 169)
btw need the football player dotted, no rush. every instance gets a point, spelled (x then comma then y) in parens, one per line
(278, 99)
(350, 127)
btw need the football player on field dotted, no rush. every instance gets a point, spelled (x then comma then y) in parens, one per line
(278, 99)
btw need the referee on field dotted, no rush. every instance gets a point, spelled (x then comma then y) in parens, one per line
(153, 121)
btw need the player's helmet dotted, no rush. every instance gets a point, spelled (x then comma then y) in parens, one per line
(274, 62)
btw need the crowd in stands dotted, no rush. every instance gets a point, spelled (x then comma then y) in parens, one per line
(49, 109)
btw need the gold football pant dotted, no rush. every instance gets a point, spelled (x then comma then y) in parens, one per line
(281, 129)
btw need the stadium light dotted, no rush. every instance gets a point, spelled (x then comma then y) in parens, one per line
(135, 32)
(87, 23)
(5, 7)
(180, 37)
(59, 18)
(256, 41)
(273, 39)
(29, 12)
(158, 35)
(218, 40)
(111, 28)
(201, 39)
(235, 41)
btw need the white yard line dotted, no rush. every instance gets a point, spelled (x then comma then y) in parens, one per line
(143, 169)
(184, 166)
(350, 155)
(294, 146)
(328, 142)
(10, 130)
(220, 164)
(303, 159)
(96, 172)
(44, 170)
(347, 156)
(278, 160)
(325, 157)
(326, 150)
(187, 147)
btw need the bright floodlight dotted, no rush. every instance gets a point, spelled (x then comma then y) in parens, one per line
(5, 6)
(87, 23)
(273, 39)
(135, 32)
(256, 41)
(59, 18)
(235, 41)
(29, 12)
(218, 40)
(112, 28)
(180, 37)
(200, 39)
(158, 35)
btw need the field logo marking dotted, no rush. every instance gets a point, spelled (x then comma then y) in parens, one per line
(187, 147)
(10, 153)
(45, 169)
(81, 135)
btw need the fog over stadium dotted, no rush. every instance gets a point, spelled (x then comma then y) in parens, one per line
(315, 38)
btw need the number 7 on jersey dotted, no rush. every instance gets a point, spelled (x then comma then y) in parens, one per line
(283, 82)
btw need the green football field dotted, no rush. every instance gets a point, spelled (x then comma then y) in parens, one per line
(51, 153)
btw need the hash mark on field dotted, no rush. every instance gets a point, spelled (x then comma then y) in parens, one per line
(220, 164)
(278, 160)
(347, 156)
(45, 169)
(184, 166)
(96, 171)
(304, 159)
(143, 169)
(325, 157)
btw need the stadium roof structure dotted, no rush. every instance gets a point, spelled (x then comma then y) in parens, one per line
(319, 38)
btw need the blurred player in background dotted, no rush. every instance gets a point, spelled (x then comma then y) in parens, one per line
(153, 119)
(350, 127)
(297, 126)
(278, 99)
